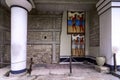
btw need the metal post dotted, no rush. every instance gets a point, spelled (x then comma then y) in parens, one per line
(115, 66)
(70, 64)
(71, 57)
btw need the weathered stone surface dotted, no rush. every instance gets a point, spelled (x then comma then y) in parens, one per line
(40, 36)
(58, 23)
(4, 38)
(7, 36)
(1, 16)
(40, 53)
(1, 37)
(43, 33)
(102, 69)
(94, 29)
(57, 53)
(38, 22)
(4, 18)
(7, 54)
(57, 36)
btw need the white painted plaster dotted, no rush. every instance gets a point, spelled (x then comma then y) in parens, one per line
(65, 43)
(87, 34)
(18, 38)
(105, 36)
(116, 32)
(109, 34)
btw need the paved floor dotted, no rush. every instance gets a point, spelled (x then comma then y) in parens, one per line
(60, 72)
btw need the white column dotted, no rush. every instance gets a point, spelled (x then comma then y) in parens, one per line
(19, 13)
(18, 38)
(116, 32)
(109, 15)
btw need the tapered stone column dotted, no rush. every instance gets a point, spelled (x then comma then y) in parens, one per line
(19, 13)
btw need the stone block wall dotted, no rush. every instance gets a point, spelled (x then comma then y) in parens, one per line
(57, 53)
(94, 29)
(39, 36)
(44, 38)
(7, 54)
(4, 38)
(40, 53)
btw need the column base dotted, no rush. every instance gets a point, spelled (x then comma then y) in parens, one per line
(18, 72)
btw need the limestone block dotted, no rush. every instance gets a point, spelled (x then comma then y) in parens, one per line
(39, 53)
(58, 23)
(6, 20)
(7, 36)
(1, 16)
(1, 47)
(7, 53)
(48, 36)
(39, 36)
(1, 37)
(94, 29)
(57, 52)
(36, 22)
(102, 69)
(57, 36)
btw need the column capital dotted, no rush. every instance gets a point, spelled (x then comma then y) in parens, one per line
(104, 5)
(22, 3)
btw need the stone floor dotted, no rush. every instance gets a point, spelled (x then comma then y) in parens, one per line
(60, 72)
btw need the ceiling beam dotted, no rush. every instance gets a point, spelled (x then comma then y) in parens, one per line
(66, 1)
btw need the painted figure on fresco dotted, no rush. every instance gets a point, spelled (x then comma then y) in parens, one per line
(76, 22)
(74, 29)
(82, 44)
(80, 22)
(77, 45)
